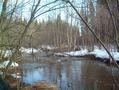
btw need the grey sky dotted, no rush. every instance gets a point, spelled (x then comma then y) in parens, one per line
(27, 5)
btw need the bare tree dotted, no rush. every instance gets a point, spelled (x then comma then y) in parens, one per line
(94, 34)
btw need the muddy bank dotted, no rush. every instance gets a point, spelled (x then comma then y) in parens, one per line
(93, 57)
(41, 86)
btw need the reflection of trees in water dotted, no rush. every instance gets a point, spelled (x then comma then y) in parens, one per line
(75, 75)
(68, 66)
(52, 73)
(58, 70)
(59, 74)
(69, 74)
(96, 77)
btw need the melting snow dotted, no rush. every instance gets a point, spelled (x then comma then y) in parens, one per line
(77, 53)
(5, 63)
(101, 53)
(6, 53)
(29, 50)
(16, 75)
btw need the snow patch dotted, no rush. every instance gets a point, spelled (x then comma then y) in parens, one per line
(60, 54)
(6, 53)
(77, 53)
(116, 55)
(100, 53)
(5, 63)
(16, 75)
(48, 47)
(29, 50)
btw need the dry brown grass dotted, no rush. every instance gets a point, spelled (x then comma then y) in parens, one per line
(12, 81)
(38, 86)
(41, 86)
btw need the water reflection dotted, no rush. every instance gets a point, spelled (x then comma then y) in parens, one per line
(33, 75)
(73, 75)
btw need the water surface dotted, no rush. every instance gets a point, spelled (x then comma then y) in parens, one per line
(77, 74)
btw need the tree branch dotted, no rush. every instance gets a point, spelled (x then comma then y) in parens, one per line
(94, 34)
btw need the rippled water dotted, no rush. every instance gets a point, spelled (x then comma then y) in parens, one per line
(72, 75)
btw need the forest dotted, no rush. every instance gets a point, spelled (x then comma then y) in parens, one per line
(59, 44)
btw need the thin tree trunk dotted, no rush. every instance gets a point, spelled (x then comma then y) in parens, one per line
(94, 34)
(115, 26)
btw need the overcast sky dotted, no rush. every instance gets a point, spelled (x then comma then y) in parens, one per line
(25, 6)
(27, 9)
